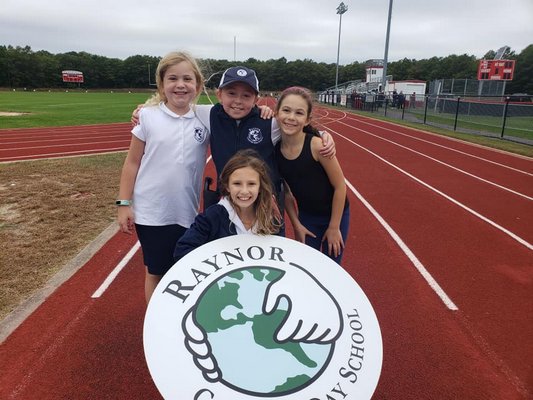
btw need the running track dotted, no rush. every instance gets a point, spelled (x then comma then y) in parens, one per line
(441, 242)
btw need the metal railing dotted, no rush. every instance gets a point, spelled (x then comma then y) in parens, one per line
(488, 116)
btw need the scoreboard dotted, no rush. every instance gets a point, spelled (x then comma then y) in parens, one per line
(72, 76)
(495, 70)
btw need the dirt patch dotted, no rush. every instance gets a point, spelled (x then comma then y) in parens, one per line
(49, 211)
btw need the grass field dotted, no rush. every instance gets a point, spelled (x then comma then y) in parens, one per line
(520, 127)
(41, 109)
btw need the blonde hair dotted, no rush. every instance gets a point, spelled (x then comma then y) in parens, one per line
(264, 206)
(166, 62)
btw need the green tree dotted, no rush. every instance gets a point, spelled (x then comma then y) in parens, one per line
(523, 74)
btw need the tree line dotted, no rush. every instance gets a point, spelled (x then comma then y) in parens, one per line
(20, 67)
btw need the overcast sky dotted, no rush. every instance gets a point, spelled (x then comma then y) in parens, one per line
(268, 29)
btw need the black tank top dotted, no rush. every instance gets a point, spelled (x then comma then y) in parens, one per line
(307, 179)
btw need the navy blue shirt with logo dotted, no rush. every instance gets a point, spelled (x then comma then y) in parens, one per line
(252, 132)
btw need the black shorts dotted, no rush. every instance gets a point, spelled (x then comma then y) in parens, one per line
(158, 244)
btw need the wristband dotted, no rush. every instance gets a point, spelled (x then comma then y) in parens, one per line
(123, 202)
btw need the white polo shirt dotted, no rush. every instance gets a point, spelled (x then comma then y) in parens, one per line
(169, 181)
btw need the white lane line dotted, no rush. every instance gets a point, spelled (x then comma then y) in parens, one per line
(85, 143)
(36, 157)
(443, 163)
(407, 251)
(456, 202)
(111, 277)
(77, 153)
(445, 147)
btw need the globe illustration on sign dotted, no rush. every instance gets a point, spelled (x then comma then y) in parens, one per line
(242, 340)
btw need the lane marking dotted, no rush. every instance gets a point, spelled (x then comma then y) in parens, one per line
(456, 202)
(442, 162)
(77, 153)
(87, 142)
(407, 251)
(364, 121)
(111, 277)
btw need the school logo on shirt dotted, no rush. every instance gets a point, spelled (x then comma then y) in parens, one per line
(255, 135)
(200, 133)
(248, 317)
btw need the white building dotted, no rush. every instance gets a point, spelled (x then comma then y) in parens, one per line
(374, 79)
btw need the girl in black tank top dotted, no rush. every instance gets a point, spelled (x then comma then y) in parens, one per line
(316, 182)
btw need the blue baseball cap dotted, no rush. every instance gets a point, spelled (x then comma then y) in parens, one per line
(240, 74)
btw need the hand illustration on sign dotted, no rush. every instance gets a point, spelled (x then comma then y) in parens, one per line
(313, 315)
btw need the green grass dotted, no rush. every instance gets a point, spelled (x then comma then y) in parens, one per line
(69, 108)
(520, 127)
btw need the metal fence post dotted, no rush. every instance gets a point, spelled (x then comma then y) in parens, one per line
(456, 113)
(505, 114)
(426, 109)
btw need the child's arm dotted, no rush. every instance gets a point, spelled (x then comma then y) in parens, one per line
(127, 182)
(336, 178)
(300, 231)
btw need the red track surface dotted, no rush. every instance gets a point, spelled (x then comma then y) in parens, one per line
(461, 214)
(32, 143)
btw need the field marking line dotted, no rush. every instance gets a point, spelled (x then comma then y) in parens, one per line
(449, 198)
(443, 146)
(77, 137)
(443, 163)
(111, 277)
(87, 142)
(70, 154)
(433, 284)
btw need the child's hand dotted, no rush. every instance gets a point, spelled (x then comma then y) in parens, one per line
(266, 112)
(300, 232)
(334, 239)
(125, 219)
(135, 115)
(328, 149)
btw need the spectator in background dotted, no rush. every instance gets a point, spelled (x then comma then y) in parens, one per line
(412, 100)
(401, 100)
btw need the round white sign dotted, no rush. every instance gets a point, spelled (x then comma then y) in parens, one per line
(250, 317)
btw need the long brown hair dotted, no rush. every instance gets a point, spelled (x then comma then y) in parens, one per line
(264, 206)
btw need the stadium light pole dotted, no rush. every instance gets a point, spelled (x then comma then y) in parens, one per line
(341, 9)
(386, 55)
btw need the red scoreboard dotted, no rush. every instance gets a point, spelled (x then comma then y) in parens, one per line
(72, 76)
(495, 70)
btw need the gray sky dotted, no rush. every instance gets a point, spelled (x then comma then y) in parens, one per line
(268, 29)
